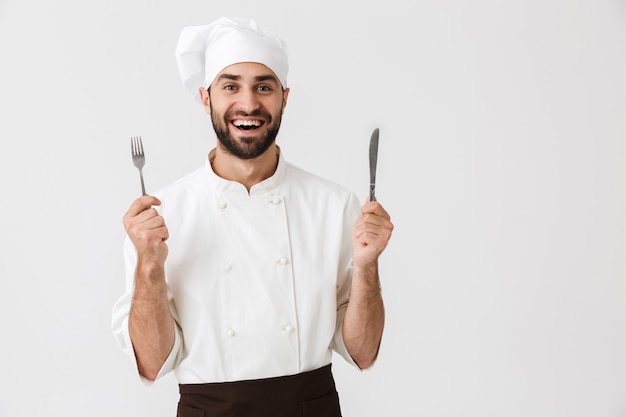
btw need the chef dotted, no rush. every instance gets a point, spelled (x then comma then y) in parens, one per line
(244, 276)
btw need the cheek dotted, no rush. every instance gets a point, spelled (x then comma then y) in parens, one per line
(216, 109)
(276, 108)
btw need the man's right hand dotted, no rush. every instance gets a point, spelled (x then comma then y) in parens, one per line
(147, 230)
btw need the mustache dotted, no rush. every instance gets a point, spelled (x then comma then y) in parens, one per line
(259, 113)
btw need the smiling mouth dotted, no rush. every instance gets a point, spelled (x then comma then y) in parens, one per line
(247, 124)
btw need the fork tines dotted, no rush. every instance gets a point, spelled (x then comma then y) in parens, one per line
(139, 159)
(136, 146)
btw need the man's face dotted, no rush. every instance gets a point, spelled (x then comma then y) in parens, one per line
(246, 103)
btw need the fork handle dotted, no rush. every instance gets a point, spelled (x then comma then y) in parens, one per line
(143, 188)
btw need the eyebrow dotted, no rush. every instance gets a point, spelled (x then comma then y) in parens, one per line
(258, 78)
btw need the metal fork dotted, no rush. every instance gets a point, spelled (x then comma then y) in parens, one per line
(139, 158)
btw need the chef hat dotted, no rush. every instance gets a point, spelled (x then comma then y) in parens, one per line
(204, 51)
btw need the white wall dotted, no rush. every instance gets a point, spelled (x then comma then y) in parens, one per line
(502, 162)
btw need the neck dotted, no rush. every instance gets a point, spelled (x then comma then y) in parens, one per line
(247, 172)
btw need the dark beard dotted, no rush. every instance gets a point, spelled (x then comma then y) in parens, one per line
(249, 148)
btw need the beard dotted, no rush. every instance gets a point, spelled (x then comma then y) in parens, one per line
(246, 147)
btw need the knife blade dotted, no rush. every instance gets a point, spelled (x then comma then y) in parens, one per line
(373, 161)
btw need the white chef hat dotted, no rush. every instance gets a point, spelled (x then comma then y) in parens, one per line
(203, 51)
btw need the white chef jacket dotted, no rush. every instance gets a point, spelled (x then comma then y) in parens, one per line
(258, 282)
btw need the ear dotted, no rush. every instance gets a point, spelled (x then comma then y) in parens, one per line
(285, 96)
(205, 99)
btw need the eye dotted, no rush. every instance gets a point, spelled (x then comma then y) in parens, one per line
(264, 88)
(230, 87)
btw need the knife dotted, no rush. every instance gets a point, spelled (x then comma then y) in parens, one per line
(373, 160)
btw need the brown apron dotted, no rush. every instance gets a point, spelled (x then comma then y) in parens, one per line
(309, 394)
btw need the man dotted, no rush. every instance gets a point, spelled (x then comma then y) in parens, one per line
(252, 271)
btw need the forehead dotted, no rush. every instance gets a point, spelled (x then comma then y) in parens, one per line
(246, 71)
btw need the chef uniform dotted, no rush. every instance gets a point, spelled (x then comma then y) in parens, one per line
(259, 280)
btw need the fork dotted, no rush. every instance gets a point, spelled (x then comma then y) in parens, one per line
(139, 159)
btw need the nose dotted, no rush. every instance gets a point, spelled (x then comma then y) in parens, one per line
(248, 100)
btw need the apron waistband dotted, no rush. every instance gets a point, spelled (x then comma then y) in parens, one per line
(309, 394)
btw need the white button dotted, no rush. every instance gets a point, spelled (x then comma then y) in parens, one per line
(222, 205)
(288, 328)
(227, 266)
(283, 261)
(275, 200)
(230, 332)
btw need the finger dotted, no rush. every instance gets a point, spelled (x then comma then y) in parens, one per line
(141, 204)
(144, 221)
(374, 220)
(376, 239)
(149, 233)
(370, 233)
(373, 226)
(140, 211)
(156, 234)
(374, 207)
(146, 215)
(370, 242)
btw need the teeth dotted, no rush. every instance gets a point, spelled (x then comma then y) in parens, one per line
(240, 123)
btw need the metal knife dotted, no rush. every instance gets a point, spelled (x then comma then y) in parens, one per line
(373, 160)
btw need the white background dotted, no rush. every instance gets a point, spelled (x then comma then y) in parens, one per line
(502, 163)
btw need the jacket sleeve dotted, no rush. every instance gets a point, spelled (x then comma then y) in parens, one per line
(344, 279)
